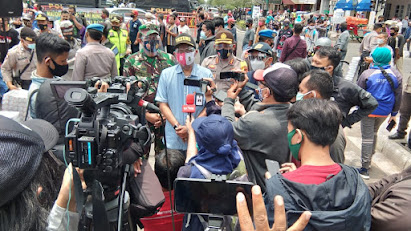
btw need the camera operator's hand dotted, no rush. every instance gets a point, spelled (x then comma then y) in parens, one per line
(154, 118)
(137, 166)
(103, 88)
(189, 121)
(260, 214)
(241, 84)
(66, 185)
(210, 89)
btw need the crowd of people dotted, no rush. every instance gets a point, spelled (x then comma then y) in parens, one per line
(289, 103)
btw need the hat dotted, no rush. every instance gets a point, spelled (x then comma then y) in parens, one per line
(134, 12)
(96, 26)
(66, 26)
(185, 39)
(213, 132)
(21, 153)
(150, 32)
(28, 34)
(262, 47)
(224, 36)
(281, 79)
(230, 20)
(42, 17)
(266, 33)
(45, 130)
(115, 18)
(149, 15)
(26, 17)
(182, 19)
(286, 23)
(381, 56)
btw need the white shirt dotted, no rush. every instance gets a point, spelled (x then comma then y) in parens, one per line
(183, 29)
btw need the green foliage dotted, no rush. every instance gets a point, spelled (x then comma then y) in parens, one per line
(231, 4)
(240, 24)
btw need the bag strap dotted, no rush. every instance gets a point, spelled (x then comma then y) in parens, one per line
(207, 174)
(389, 79)
(295, 47)
(27, 66)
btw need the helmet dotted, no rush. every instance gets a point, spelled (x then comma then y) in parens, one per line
(323, 42)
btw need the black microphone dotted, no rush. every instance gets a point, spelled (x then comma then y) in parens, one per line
(149, 106)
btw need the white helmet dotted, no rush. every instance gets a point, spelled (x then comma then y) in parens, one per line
(323, 42)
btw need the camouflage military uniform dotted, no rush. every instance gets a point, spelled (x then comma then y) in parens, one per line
(149, 69)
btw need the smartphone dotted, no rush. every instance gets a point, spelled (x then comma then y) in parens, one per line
(232, 75)
(204, 196)
(391, 125)
(272, 166)
(192, 82)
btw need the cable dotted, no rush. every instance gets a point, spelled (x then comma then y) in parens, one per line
(71, 174)
(168, 174)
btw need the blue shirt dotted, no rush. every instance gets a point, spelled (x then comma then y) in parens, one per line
(171, 90)
(134, 25)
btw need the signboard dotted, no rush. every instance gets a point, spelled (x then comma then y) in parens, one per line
(256, 12)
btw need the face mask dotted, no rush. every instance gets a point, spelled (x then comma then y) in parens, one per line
(185, 59)
(260, 94)
(294, 148)
(311, 27)
(275, 27)
(203, 36)
(151, 45)
(69, 37)
(260, 23)
(115, 27)
(392, 34)
(257, 64)
(224, 53)
(300, 96)
(317, 68)
(380, 41)
(42, 26)
(31, 46)
(59, 70)
(17, 26)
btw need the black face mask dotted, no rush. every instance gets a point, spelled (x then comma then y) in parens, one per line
(392, 34)
(275, 27)
(42, 26)
(224, 53)
(316, 68)
(17, 26)
(59, 70)
(115, 27)
(69, 37)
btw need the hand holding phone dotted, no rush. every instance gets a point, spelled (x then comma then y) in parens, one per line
(391, 125)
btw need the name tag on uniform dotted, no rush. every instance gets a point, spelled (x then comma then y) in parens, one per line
(199, 99)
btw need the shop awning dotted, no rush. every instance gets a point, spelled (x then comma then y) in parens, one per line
(288, 2)
(299, 2)
(344, 4)
(363, 5)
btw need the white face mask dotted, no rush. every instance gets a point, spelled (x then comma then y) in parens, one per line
(380, 41)
(257, 64)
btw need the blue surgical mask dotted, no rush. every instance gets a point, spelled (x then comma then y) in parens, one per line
(31, 46)
(260, 93)
(300, 96)
(203, 36)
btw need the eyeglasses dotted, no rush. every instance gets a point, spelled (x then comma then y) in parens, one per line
(223, 46)
(186, 50)
(259, 57)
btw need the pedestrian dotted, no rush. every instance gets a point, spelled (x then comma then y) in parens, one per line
(407, 37)
(163, 35)
(200, 21)
(146, 66)
(209, 38)
(79, 27)
(133, 25)
(172, 32)
(294, 47)
(20, 61)
(183, 28)
(283, 35)
(94, 60)
(405, 25)
(368, 44)
(397, 41)
(67, 30)
(119, 37)
(385, 84)
(248, 40)
(261, 26)
(231, 27)
(171, 92)
(311, 36)
(228, 16)
(382, 40)
(105, 16)
(267, 36)
(262, 132)
(218, 24)
(342, 42)
(105, 42)
(224, 61)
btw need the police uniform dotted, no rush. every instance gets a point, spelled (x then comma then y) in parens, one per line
(216, 65)
(94, 60)
(121, 40)
(14, 66)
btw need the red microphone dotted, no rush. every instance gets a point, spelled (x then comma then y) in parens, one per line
(190, 107)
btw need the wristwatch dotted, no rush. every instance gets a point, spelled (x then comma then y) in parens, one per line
(176, 126)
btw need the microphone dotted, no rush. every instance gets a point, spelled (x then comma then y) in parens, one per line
(189, 107)
(148, 106)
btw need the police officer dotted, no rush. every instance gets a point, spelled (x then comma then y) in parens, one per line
(147, 65)
(94, 60)
(20, 61)
(119, 37)
(224, 61)
(42, 22)
(67, 29)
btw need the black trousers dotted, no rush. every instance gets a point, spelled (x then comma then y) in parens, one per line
(135, 48)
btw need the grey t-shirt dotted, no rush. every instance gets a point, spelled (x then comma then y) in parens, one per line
(249, 35)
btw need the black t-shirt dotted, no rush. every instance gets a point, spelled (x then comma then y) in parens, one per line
(12, 40)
